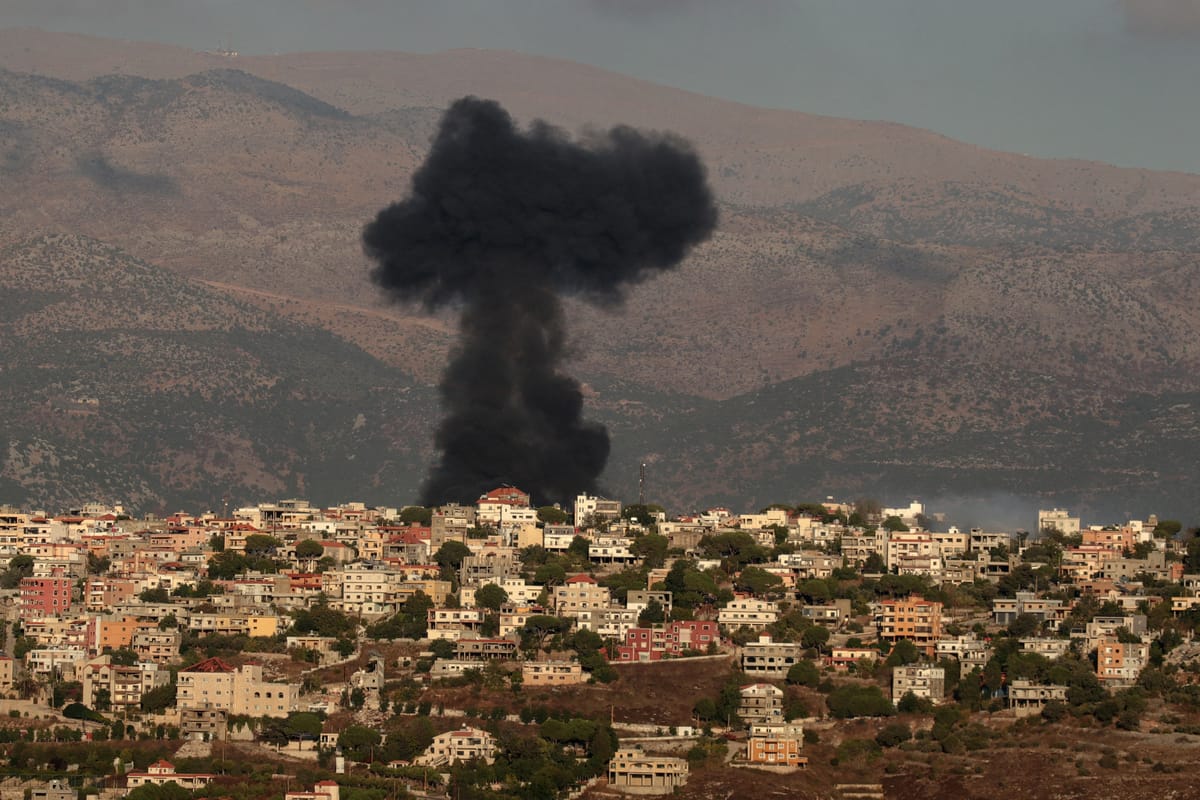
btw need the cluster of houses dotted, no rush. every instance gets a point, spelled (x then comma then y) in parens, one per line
(96, 582)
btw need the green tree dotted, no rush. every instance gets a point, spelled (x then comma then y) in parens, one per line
(858, 701)
(416, 514)
(309, 549)
(552, 515)
(20, 566)
(893, 734)
(450, 558)
(804, 673)
(490, 596)
(652, 614)
(759, 582)
(359, 742)
(903, 652)
(894, 525)
(261, 544)
(651, 548)
(158, 699)
(814, 637)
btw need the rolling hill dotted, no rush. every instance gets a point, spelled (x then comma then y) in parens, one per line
(882, 310)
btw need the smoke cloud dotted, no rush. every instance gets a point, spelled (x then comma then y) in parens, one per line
(504, 222)
(1166, 18)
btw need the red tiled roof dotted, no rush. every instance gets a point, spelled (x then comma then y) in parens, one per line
(213, 664)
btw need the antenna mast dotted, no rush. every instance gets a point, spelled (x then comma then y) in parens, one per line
(642, 485)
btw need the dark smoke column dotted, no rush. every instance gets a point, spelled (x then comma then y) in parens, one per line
(505, 222)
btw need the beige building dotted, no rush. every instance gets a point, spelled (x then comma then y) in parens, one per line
(580, 593)
(162, 771)
(921, 680)
(761, 702)
(552, 673)
(748, 612)
(767, 658)
(240, 690)
(634, 772)
(1026, 698)
(125, 685)
(465, 744)
(1118, 664)
(161, 647)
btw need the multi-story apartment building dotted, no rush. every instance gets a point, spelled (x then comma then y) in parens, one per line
(1045, 646)
(454, 623)
(913, 618)
(158, 646)
(614, 622)
(1006, 609)
(1118, 664)
(968, 650)
(1058, 519)
(748, 612)
(761, 702)
(465, 744)
(596, 509)
(921, 680)
(44, 596)
(1026, 697)
(669, 640)
(770, 659)
(580, 593)
(776, 744)
(552, 673)
(125, 684)
(239, 690)
(633, 771)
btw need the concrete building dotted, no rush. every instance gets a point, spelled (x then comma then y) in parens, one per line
(44, 597)
(463, 745)
(748, 612)
(921, 680)
(1118, 664)
(634, 772)
(125, 685)
(579, 593)
(596, 509)
(767, 658)
(1027, 698)
(552, 673)
(761, 702)
(203, 724)
(1058, 519)
(163, 771)
(241, 690)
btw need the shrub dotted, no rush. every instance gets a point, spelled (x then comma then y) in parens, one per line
(804, 673)
(859, 701)
(893, 734)
(1054, 711)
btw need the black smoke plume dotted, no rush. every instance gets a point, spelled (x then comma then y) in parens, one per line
(504, 222)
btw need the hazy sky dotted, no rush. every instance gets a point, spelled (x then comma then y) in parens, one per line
(1113, 80)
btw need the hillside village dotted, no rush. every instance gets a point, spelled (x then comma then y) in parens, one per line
(505, 650)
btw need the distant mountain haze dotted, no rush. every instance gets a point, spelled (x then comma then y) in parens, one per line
(1108, 80)
(881, 311)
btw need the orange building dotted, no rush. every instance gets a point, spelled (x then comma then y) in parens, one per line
(913, 618)
(776, 745)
